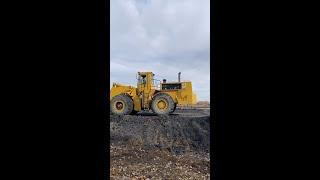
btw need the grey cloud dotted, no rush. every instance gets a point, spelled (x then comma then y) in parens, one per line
(163, 36)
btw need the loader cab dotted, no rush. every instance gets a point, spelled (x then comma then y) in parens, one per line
(144, 81)
(145, 78)
(144, 88)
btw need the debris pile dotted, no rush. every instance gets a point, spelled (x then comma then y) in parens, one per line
(146, 146)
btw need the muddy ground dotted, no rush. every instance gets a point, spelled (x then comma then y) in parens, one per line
(146, 146)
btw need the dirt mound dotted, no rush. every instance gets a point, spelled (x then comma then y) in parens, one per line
(178, 133)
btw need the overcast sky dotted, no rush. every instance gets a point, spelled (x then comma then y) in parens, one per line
(162, 36)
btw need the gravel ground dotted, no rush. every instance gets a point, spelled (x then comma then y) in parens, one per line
(146, 146)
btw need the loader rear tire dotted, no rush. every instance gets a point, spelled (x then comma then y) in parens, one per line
(162, 104)
(121, 105)
(133, 112)
(174, 108)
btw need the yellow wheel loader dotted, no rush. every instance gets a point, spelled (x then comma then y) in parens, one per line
(147, 96)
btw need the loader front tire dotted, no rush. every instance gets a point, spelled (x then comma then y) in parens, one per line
(121, 105)
(162, 104)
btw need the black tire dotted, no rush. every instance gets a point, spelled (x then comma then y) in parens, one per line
(162, 104)
(174, 108)
(133, 112)
(121, 105)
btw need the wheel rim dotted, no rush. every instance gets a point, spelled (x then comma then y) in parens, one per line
(162, 105)
(119, 106)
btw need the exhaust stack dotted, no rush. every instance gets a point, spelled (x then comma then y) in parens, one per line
(179, 74)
